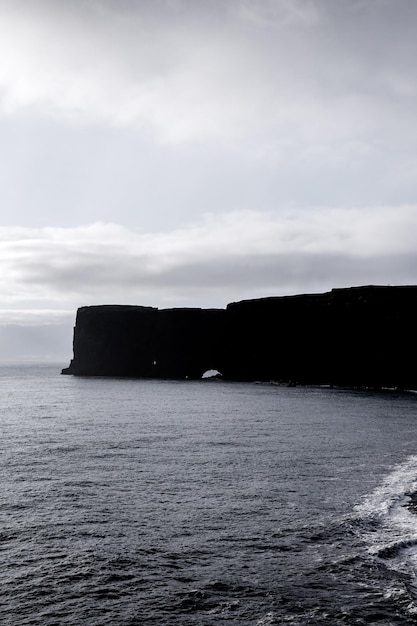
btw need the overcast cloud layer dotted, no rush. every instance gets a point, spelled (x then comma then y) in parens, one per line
(238, 255)
(194, 152)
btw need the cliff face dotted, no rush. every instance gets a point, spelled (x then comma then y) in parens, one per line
(144, 342)
(363, 336)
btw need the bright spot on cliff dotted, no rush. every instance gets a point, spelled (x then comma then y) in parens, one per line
(212, 374)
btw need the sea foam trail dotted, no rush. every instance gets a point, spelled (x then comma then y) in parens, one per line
(389, 497)
(388, 524)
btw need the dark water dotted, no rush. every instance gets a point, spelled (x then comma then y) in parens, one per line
(147, 502)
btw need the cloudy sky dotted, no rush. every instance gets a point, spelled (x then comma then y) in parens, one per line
(197, 152)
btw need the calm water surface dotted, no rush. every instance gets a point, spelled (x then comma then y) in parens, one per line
(128, 502)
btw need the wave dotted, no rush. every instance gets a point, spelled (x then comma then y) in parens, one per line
(387, 523)
(395, 491)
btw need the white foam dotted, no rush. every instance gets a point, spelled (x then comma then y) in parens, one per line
(390, 528)
(392, 492)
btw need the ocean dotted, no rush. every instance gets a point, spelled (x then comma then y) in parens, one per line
(129, 502)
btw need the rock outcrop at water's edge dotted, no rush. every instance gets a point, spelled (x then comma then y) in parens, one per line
(361, 336)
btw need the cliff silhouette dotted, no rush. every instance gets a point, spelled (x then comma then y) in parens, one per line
(356, 337)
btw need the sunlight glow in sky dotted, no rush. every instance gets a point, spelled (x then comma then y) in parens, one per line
(196, 152)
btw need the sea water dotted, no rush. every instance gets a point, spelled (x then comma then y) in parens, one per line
(130, 502)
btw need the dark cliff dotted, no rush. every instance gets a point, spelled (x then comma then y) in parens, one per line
(145, 342)
(362, 336)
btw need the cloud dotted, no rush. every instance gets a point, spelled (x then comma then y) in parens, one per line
(35, 343)
(35, 317)
(93, 62)
(169, 117)
(214, 71)
(48, 272)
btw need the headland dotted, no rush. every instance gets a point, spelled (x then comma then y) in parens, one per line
(355, 337)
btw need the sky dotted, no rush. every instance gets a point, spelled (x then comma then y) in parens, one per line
(198, 152)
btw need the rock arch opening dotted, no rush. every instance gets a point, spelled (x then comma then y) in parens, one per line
(212, 373)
